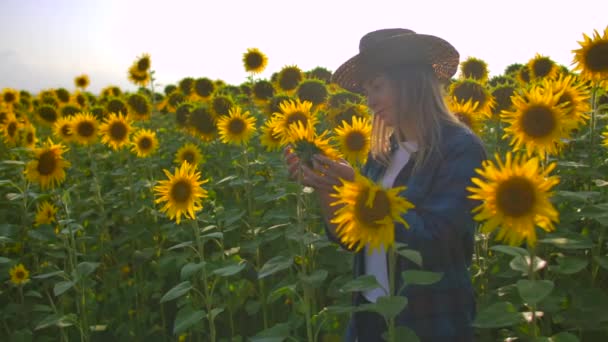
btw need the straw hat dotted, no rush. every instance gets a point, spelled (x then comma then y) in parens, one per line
(391, 47)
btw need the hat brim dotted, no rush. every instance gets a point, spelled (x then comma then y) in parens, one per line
(405, 49)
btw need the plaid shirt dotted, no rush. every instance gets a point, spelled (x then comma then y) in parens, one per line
(442, 231)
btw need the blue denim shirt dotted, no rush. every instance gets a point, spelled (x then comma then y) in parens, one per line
(442, 231)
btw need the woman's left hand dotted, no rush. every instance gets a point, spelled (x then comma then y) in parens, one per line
(332, 171)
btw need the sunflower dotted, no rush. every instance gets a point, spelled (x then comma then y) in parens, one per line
(63, 130)
(502, 94)
(115, 131)
(144, 143)
(467, 113)
(263, 91)
(19, 275)
(137, 77)
(188, 153)
(139, 107)
(320, 73)
(185, 85)
(306, 143)
(542, 67)
(269, 138)
(63, 95)
(605, 135)
(592, 58)
(85, 128)
(314, 91)
(48, 97)
(10, 129)
(289, 77)
(573, 95)
(10, 97)
(203, 88)
(536, 122)
(174, 99)
(347, 112)
(469, 89)
(515, 197)
(202, 123)
(221, 104)
(48, 166)
(237, 127)
(26, 135)
(143, 63)
(523, 75)
(343, 97)
(69, 109)
(45, 213)
(512, 69)
(368, 213)
(182, 114)
(291, 113)
(501, 80)
(254, 61)
(182, 192)
(82, 81)
(111, 91)
(47, 114)
(273, 105)
(354, 140)
(474, 68)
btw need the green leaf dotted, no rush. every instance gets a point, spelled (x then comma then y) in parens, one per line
(288, 290)
(561, 337)
(177, 291)
(190, 268)
(57, 320)
(534, 291)
(598, 212)
(569, 265)
(602, 261)
(48, 275)
(277, 333)
(387, 306)
(362, 283)
(522, 264)
(510, 250)
(316, 278)
(231, 270)
(274, 265)
(411, 255)
(415, 277)
(498, 315)
(61, 287)
(339, 309)
(214, 235)
(4, 260)
(568, 243)
(180, 245)
(215, 312)
(403, 334)
(577, 196)
(85, 268)
(185, 318)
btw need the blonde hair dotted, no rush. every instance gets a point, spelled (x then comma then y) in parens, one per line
(421, 104)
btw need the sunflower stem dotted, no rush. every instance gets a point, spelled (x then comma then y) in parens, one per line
(207, 296)
(392, 261)
(532, 276)
(592, 125)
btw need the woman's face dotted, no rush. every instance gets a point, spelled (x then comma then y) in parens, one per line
(382, 98)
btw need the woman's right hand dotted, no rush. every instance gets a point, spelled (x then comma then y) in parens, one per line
(323, 176)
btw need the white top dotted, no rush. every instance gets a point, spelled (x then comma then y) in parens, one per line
(375, 262)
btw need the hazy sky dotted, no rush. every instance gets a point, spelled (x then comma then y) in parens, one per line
(46, 43)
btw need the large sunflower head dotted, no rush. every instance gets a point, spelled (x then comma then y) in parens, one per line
(515, 197)
(45, 213)
(144, 143)
(269, 138)
(137, 77)
(537, 122)
(306, 143)
(139, 107)
(63, 95)
(143, 63)
(185, 85)
(10, 97)
(63, 130)
(469, 89)
(592, 57)
(48, 166)
(174, 99)
(115, 131)
(342, 97)
(47, 114)
(502, 94)
(26, 136)
(289, 77)
(320, 73)
(117, 105)
(263, 91)
(354, 140)
(254, 61)
(237, 127)
(474, 68)
(292, 113)
(189, 153)
(182, 114)
(467, 113)
(203, 88)
(181, 192)
(202, 123)
(19, 275)
(368, 213)
(221, 105)
(48, 97)
(82, 81)
(85, 128)
(542, 67)
(10, 129)
(312, 90)
(573, 96)
(69, 109)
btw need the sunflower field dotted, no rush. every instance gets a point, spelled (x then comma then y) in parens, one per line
(168, 215)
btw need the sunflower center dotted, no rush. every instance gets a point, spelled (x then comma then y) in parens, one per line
(202, 121)
(296, 117)
(47, 163)
(188, 156)
(11, 129)
(20, 274)
(465, 119)
(65, 131)
(538, 121)
(203, 87)
(355, 141)
(314, 92)
(474, 70)
(236, 126)
(471, 91)
(222, 105)
(143, 64)
(144, 143)
(263, 90)
(254, 60)
(181, 191)
(29, 138)
(10, 97)
(290, 78)
(542, 67)
(379, 209)
(515, 197)
(118, 131)
(596, 60)
(85, 129)
(47, 113)
(566, 98)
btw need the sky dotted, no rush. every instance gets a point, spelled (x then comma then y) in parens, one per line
(46, 43)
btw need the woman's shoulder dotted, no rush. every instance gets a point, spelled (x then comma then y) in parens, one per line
(455, 137)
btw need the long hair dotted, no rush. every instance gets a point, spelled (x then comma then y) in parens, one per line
(421, 105)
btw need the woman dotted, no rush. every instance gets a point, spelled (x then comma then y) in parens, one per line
(418, 143)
